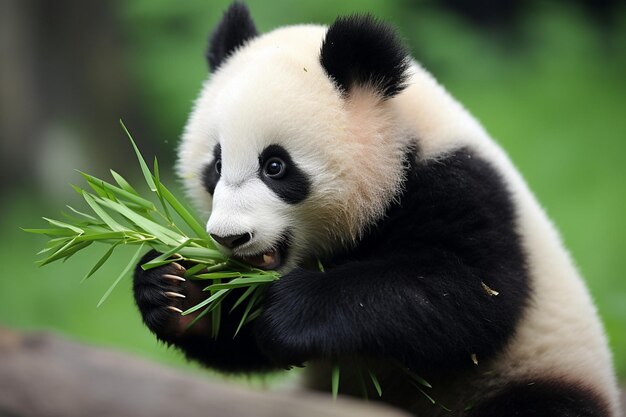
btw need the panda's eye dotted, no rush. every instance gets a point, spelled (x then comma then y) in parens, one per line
(275, 168)
(218, 166)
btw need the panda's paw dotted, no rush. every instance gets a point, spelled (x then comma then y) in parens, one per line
(281, 329)
(162, 294)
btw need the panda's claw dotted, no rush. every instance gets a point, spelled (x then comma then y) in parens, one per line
(174, 309)
(173, 294)
(173, 277)
(179, 267)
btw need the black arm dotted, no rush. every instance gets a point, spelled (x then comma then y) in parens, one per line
(423, 311)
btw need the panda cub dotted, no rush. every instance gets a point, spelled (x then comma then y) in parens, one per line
(330, 143)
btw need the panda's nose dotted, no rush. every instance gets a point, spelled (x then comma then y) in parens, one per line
(232, 241)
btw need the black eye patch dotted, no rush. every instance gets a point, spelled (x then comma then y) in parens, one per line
(211, 175)
(292, 185)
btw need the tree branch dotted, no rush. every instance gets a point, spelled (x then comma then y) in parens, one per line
(44, 375)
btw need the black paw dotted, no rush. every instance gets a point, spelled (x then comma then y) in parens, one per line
(162, 294)
(286, 328)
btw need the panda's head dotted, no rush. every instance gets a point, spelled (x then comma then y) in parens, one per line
(293, 147)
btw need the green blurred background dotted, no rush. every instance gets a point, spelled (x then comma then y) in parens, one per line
(547, 79)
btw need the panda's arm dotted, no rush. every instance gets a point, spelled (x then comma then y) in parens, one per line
(441, 280)
(431, 311)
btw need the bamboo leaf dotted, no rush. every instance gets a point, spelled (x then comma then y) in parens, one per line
(142, 163)
(194, 270)
(132, 263)
(376, 383)
(417, 378)
(218, 275)
(58, 253)
(50, 232)
(80, 213)
(216, 316)
(53, 222)
(335, 380)
(169, 237)
(159, 186)
(123, 183)
(184, 214)
(193, 252)
(249, 306)
(106, 218)
(431, 399)
(98, 264)
(239, 283)
(256, 313)
(75, 249)
(243, 297)
(163, 259)
(215, 297)
(133, 198)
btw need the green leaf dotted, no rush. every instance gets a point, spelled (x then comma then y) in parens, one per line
(59, 251)
(218, 275)
(243, 297)
(376, 383)
(98, 264)
(75, 249)
(50, 232)
(123, 183)
(169, 237)
(335, 381)
(101, 192)
(144, 167)
(80, 213)
(240, 283)
(133, 198)
(249, 306)
(163, 259)
(320, 266)
(417, 378)
(256, 313)
(65, 252)
(106, 218)
(192, 252)
(203, 313)
(215, 297)
(431, 399)
(159, 186)
(130, 265)
(189, 273)
(64, 225)
(184, 214)
(216, 316)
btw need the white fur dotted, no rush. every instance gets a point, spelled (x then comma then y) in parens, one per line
(249, 104)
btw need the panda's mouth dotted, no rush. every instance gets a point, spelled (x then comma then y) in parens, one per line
(271, 259)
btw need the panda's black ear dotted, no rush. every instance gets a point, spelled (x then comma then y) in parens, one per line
(362, 51)
(235, 28)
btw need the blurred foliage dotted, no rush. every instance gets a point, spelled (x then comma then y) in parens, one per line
(551, 89)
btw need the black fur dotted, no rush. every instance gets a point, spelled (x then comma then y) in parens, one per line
(362, 51)
(235, 28)
(543, 399)
(412, 291)
(294, 186)
(210, 176)
(224, 353)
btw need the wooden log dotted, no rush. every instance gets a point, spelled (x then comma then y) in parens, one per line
(45, 375)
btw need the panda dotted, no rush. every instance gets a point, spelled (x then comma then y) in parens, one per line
(331, 144)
